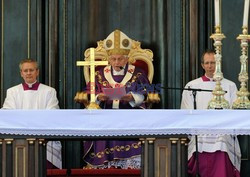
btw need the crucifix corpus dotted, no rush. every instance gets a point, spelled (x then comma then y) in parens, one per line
(92, 63)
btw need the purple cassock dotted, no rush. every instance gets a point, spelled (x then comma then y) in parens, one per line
(102, 154)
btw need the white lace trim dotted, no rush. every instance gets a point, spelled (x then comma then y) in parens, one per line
(102, 133)
(130, 163)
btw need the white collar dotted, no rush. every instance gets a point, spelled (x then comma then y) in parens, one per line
(30, 85)
(117, 73)
(211, 79)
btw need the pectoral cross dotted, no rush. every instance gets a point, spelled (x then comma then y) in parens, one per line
(92, 63)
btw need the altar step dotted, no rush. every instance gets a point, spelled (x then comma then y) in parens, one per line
(93, 173)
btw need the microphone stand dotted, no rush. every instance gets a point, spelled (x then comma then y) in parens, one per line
(194, 93)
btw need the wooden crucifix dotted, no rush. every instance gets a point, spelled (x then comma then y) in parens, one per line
(92, 63)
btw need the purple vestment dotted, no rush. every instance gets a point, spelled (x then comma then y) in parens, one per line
(99, 153)
(216, 164)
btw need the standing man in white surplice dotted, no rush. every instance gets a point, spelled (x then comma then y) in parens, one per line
(219, 156)
(33, 95)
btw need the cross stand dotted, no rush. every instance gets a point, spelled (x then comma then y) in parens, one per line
(92, 63)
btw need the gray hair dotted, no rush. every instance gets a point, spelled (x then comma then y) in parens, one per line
(28, 60)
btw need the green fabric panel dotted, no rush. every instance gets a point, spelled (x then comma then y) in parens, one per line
(231, 27)
(72, 154)
(14, 42)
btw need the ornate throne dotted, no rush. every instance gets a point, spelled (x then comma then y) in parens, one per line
(139, 57)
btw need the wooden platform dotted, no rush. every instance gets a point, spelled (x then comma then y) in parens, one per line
(93, 173)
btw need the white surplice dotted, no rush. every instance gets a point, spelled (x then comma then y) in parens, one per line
(42, 98)
(210, 143)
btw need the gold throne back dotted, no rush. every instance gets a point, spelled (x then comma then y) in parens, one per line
(142, 58)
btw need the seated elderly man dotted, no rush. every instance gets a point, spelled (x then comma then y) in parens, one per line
(119, 73)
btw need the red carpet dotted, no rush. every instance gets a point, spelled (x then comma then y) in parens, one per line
(93, 173)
